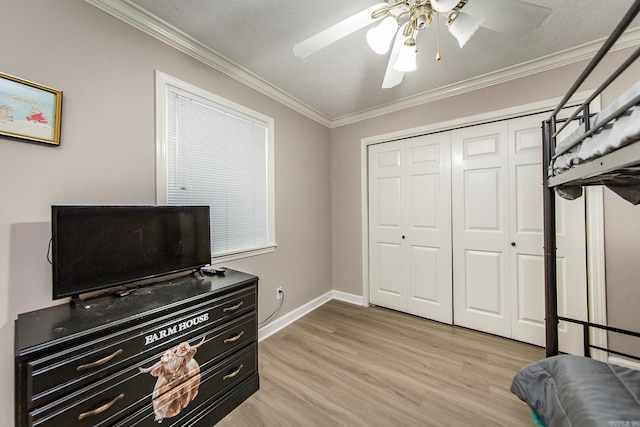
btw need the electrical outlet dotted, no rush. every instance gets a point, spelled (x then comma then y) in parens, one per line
(279, 292)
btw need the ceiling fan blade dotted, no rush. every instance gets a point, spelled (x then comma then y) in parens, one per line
(393, 77)
(336, 32)
(508, 16)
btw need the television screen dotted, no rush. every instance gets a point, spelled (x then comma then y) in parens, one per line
(96, 247)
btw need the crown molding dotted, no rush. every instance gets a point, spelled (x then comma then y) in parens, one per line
(166, 33)
(549, 62)
(138, 18)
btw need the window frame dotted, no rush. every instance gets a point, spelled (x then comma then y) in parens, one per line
(162, 83)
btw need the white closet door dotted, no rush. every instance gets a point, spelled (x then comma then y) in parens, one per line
(527, 256)
(428, 230)
(386, 228)
(526, 223)
(410, 226)
(481, 253)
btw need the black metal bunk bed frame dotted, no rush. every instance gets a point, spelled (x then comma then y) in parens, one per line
(618, 164)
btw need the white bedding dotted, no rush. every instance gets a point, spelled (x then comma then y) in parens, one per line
(616, 134)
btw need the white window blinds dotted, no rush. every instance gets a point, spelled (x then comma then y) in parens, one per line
(217, 156)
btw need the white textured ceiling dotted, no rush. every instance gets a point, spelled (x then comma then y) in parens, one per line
(345, 78)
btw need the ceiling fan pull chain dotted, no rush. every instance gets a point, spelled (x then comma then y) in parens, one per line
(438, 56)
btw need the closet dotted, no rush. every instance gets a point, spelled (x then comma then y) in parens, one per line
(455, 230)
(410, 226)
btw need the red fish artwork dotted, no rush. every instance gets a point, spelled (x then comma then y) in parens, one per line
(37, 116)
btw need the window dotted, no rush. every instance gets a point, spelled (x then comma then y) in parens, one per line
(211, 151)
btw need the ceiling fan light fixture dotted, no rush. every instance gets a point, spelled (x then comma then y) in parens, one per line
(379, 13)
(463, 26)
(443, 5)
(380, 36)
(407, 59)
(421, 17)
(408, 17)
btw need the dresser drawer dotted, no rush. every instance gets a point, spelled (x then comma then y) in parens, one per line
(105, 401)
(215, 382)
(62, 372)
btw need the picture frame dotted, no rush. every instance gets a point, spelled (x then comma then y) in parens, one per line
(29, 111)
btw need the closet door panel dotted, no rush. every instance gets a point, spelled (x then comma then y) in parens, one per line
(482, 201)
(389, 205)
(528, 193)
(530, 301)
(480, 228)
(428, 222)
(484, 285)
(387, 271)
(424, 274)
(424, 202)
(526, 224)
(386, 228)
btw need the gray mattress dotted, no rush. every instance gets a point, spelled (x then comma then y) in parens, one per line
(615, 134)
(577, 391)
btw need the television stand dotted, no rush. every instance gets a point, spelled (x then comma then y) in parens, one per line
(78, 302)
(103, 366)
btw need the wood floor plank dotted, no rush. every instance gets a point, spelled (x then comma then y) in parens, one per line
(345, 365)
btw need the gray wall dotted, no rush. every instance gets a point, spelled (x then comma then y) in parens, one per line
(107, 156)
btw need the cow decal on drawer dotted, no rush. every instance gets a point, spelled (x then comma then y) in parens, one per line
(178, 381)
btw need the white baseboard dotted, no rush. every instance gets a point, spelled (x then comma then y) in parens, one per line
(624, 362)
(284, 321)
(350, 298)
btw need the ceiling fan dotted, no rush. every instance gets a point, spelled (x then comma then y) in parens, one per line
(402, 20)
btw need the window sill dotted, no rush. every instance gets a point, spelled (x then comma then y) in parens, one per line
(233, 255)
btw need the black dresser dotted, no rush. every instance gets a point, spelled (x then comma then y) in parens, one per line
(182, 352)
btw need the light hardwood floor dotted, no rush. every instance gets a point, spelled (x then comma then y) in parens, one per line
(345, 365)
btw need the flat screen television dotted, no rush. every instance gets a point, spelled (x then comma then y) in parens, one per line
(97, 247)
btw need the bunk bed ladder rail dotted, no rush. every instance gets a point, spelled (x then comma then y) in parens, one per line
(588, 346)
(549, 134)
(604, 49)
(550, 266)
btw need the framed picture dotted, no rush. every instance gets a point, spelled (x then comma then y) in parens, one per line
(29, 111)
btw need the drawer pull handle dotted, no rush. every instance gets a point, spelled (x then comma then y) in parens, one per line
(99, 362)
(100, 409)
(234, 339)
(234, 308)
(233, 374)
